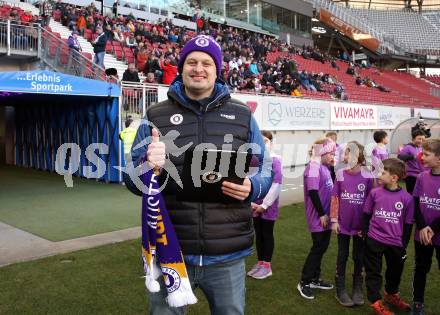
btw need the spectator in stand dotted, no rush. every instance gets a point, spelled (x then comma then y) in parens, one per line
(315, 80)
(112, 75)
(141, 57)
(247, 72)
(359, 81)
(172, 37)
(383, 89)
(90, 22)
(59, 5)
(169, 70)
(72, 17)
(254, 68)
(200, 23)
(130, 26)
(268, 80)
(131, 41)
(153, 66)
(81, 24)
(234, 81)
(131, 74)
(109, 32)
(288, 85)
(259, 50)
(46, 10)
(305, 81)
(27, 18)
(334, 64)
(316, 55)
(339, 92)
(233, 64)
(115, 8)
(99, 47)
(150, 78)
(72, 41)
(118, 36)
(370, 83)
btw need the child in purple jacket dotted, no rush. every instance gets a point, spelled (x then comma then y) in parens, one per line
(350, 191)
(265, 212)
(409, 154)
(427, 214)
(388, 218)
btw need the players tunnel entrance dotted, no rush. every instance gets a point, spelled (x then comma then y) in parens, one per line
(42, 110)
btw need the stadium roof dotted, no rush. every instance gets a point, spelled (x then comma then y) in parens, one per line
(392, 4)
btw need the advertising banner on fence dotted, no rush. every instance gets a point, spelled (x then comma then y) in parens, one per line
(388, 117)
(286, 113)
(254, 103)
(346, 116)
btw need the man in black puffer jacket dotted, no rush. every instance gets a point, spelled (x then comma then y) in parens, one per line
(215, 237)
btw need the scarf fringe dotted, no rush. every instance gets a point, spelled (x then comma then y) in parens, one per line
(153, 272)
(183, 296)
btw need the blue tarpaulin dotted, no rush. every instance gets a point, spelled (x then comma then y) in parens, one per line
(48, 82)
(52, 109)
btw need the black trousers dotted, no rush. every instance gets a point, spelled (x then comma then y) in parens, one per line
(422, 267)
(264, 238)
(394, 257)
(343, 253)
(312, 266)
(410, 182)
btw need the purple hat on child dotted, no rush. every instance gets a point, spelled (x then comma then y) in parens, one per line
(205, 44)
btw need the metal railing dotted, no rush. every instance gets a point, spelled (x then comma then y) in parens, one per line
(137, 97)
(56, 53)
(16, 39)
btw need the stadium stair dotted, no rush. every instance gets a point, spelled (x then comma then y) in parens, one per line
(87, 48)
(109, 60)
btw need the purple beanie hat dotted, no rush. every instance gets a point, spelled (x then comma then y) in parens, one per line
(205, 44)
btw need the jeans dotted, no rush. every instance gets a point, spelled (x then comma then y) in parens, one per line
(223, 285)
(99, 59)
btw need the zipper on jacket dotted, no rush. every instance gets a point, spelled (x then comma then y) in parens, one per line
(200, 137)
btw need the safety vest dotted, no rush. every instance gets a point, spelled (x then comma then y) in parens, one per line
(127, 136)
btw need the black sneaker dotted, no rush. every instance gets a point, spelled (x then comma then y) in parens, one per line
(305, 291)
(319, 284)
(418, 309)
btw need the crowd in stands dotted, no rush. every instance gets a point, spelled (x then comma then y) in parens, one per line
(17, 15)
(252, 62)
(156, 47)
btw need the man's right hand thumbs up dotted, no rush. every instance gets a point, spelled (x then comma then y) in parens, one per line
(156, 151)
